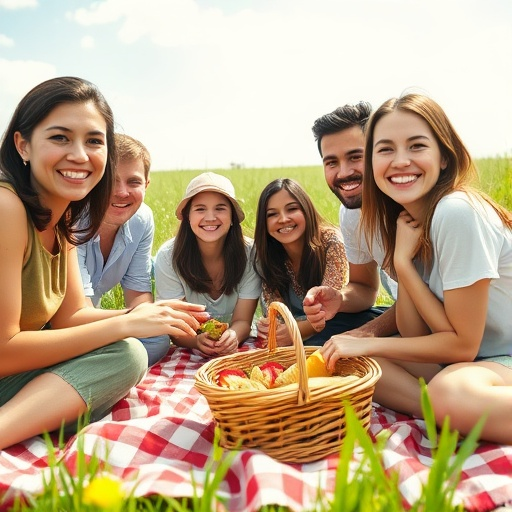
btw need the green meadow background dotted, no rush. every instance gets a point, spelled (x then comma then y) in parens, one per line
(167, 188)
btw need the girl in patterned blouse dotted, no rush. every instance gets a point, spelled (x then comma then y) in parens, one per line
(296, 249)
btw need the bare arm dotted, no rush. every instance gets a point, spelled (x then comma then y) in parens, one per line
(133, 298)
(419, 311)
(77, 329)
(362, 289)
(382, 325)
(466, 310)
(412, 306)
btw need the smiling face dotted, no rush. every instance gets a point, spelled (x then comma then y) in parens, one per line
(128, 192)
(285, 219)
(67, 153)
(343, 165)
(210, 216)
(406, 159)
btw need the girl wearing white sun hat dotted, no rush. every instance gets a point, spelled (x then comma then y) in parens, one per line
(210, 262)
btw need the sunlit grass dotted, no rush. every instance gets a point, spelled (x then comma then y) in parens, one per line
(167, 189)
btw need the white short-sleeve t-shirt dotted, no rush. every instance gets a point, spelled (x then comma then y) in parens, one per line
(471, 243)
(357, 249)
(170, 285)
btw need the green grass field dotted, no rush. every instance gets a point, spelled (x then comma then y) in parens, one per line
(168, 187)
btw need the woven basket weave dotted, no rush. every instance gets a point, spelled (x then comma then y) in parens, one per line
(291, 425)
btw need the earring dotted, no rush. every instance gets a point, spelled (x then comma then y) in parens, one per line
(25, 163)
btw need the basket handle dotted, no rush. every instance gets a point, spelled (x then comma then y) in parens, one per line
(300, 353)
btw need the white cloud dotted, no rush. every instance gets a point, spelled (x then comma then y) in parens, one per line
(87, 42)
(18, 4)
(99, 12)
(5, 41)
(167, 23)
(247, 85)
(18, 77)
(256, 81)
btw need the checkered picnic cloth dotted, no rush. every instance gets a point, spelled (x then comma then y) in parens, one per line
(159, 438)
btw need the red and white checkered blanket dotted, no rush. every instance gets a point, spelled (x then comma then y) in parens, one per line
(162, 433)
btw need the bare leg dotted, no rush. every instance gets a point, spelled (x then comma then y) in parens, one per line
(399, 387)
(41, 406)
(466, 391)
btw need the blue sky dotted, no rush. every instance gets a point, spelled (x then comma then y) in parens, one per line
(203, 83)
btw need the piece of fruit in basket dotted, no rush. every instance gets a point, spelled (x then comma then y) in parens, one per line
(214, 328)
(267, 373)
(234, 378)
(315, 367)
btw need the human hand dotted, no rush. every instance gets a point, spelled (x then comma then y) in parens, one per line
(198, 311)
(153, 319)
(408, 234)
(341, 346)
(205, 344)
(283, 338)
(262, 326)
(227, 344)
(320, 304)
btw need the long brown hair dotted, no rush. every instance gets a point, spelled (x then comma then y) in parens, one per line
(187, 261)
(271, 255)
(380, 212)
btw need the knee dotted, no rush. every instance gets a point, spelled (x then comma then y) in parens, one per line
(445, 397)
(136, 360)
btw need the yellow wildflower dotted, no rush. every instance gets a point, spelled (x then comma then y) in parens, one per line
(104, 492)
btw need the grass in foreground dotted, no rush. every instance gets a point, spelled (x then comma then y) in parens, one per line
(359, 486)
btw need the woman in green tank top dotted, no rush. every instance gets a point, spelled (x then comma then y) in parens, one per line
(57, 167)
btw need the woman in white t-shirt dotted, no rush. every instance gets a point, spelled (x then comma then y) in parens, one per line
(209, 262)
(451, 249)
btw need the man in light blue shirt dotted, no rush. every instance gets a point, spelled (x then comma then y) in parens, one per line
(128, 263)
(120, 252)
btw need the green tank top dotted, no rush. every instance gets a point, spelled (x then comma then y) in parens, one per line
(44, 278)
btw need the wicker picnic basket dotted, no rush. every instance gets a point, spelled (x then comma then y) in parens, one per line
(297, 425)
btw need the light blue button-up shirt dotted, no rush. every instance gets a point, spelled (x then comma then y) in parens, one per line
(129, 262)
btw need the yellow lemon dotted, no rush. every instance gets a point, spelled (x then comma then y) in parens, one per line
(315, 365)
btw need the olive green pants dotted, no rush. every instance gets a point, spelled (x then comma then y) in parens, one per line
(101, 377)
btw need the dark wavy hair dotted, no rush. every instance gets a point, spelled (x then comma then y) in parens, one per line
(271, 255)
(82, 218)
(341, 119)
(187, 261)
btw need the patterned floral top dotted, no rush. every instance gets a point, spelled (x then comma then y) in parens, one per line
(336, 273)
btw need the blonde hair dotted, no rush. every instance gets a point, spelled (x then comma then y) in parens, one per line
(380, 212)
